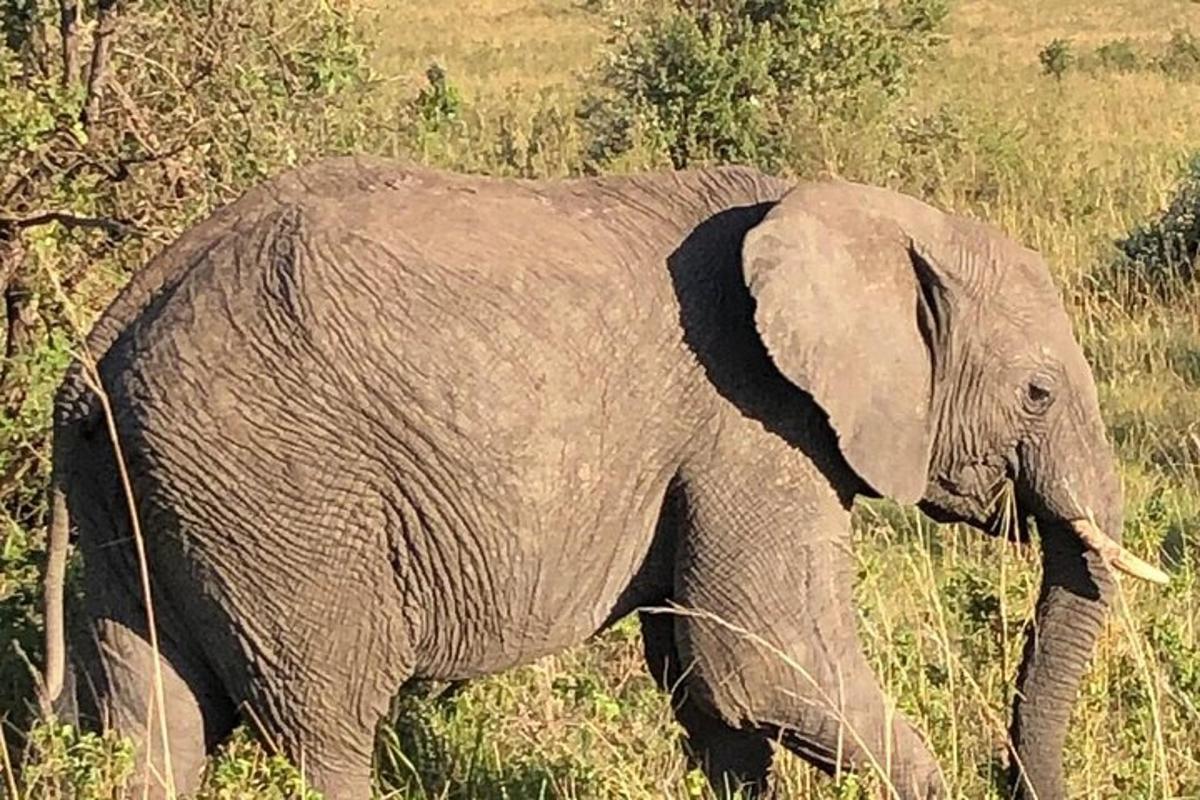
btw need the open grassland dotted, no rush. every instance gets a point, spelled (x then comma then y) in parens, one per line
(1067, 165)
(492, 47)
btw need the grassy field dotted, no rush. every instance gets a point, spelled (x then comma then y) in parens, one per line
(1067, 165)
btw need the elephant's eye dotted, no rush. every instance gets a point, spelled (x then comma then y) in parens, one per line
(1039, 395)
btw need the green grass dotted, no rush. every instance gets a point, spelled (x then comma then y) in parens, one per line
(1067, 166)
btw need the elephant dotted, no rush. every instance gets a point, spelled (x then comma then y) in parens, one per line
(372, 423)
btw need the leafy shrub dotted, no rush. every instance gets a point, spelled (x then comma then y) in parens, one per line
(539, 143)
(1056, 58)
(197, 100)
(1160, 256)
(62, 761)
(439, 102)
(241, 769)
(926, 145)
(526, 137)
(697, 83)
(1119, 55)
(1182, 56)
(1177, 57)
(716, 80)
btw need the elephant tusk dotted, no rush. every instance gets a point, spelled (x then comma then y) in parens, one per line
(1115, 554)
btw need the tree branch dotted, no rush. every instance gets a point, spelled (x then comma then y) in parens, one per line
(39, 48)
(19, 318)
(68, 29)
(102, 42)
(115, 228)
(137, 122)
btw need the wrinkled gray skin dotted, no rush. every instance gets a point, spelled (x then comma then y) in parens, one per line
(386, 423)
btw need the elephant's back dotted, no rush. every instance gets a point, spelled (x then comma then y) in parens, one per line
(362, 265)
(376, 247)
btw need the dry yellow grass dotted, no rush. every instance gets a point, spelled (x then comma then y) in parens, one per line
(489, 46)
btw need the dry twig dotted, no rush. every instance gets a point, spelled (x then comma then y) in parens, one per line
(102, 42)
(68, 29)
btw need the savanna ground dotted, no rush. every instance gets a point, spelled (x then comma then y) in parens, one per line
(1068, 146)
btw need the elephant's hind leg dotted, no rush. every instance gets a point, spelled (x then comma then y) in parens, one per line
(198, 714)
(326, 728)
(321, 690)
(733, 760)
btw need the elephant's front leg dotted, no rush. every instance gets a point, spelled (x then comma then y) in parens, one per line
(767, 624)
(737, 762)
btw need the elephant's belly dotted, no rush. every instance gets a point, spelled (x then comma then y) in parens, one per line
(545, 595)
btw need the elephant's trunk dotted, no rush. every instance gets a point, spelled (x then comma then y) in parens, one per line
(1077, 586)
(1071, 485)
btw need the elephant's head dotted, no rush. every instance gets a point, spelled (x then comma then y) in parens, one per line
(942, 354)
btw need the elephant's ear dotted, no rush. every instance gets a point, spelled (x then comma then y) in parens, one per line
(846, 303)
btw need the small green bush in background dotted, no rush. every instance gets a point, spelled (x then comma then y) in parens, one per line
(1056, 58)
(1177, 57)
(1160, 256)
(439, 102)
(717, 80)
(1182, 56)
(695, 84)
(1119, 55)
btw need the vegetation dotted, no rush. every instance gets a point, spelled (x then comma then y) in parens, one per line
(719, 80)
(1159, 256)
(1095, 169)
(117, 132)
(1056, 57)
(1177, 57)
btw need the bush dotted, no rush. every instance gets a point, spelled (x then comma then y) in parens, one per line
(1178, 57)
(1159, 257)
(1182, 56)
(695, 84)
(709, 81)
(106, 158)
(1119, 55)
(527, 137)
(62, 761)
(439, 103)
(1056, 57)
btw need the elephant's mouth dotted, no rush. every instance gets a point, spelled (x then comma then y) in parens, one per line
(1005, 522)
(1114, 554)
(1093, 538)
(1002, 524)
